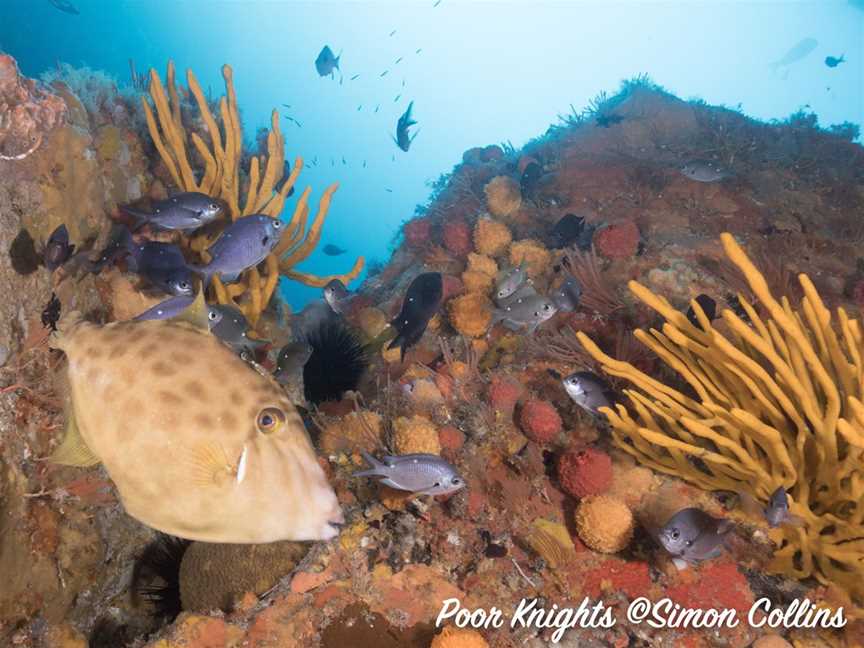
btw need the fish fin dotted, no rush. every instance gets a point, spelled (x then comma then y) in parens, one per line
(416, 133)
(794, 521)
(195, 314)
(375, 466)
(65, 326)
(209, 465)
(680, 564)
(749, 504)
(73, 450)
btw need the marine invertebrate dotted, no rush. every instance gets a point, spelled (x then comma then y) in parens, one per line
(585, 472)
(604, 524)
(532, 253)
(504, 392)
(503, 196)
(618, 241)
(213, 576)
(156, 576)
(551, 541)
(480, 273)
(776, 402)
(470, 314)
(540, 421)
(416, 434)
(451, 637)
(456, 235)
(337, 362)
(417, 232)
(222, 178)
(491, 238)
(27, 112)
(360, 429)
(598, 294)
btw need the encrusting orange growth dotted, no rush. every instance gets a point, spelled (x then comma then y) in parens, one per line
(267, 188)
(452, 637)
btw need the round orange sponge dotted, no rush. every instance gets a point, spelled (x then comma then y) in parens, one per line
(604, 524)
(459, 638)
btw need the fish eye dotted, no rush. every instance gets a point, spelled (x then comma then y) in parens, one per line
(276, 224)
(212, 315)
(214, 206)
(675, 534)
(270, 419)
(456, 480)
(437, 485)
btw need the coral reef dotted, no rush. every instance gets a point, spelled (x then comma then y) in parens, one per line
(503, 197)
(775, 403)
(27, 112)
(222, 178)
(471, 314)
(491, 237)
(416, 434)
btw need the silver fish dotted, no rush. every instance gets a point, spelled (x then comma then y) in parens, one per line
(184, 212)
(336, 295)
(776, 513)
(522, 292)
(422, 474)
(525, 313)
(244, 244)
(704, 171)
(174, 306)
(693, 535)
(508, 281)
(289, 369)
(588, 391)
(233, 328)
(567, 296)
(163, 265)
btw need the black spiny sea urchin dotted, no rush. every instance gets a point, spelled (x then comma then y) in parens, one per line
(156, 576)
(337, 362)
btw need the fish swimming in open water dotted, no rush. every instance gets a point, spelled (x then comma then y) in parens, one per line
(422, 300)
(403, 139)
(833, 61)
(692, 535)
(199, 444)
(245, 243)
(183, 212)
(65, 6)
(421, 474)
(326, 63)
(589, 391)
(57, 250)
(333, 250)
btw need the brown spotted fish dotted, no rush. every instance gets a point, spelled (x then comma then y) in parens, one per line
(200, 444)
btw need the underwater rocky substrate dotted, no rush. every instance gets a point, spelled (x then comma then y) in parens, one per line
(560, 503)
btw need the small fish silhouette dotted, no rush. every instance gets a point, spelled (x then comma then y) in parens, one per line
(419, 49)
(384, 73)
(356, 76)
(397, 61)
(393, 32)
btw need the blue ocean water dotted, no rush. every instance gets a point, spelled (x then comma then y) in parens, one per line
(478, 73)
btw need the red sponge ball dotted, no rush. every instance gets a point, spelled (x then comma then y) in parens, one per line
(620, 241)
(585, 472)
(457, 237)
(504, 392)
(417, 232)
(540, 421)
